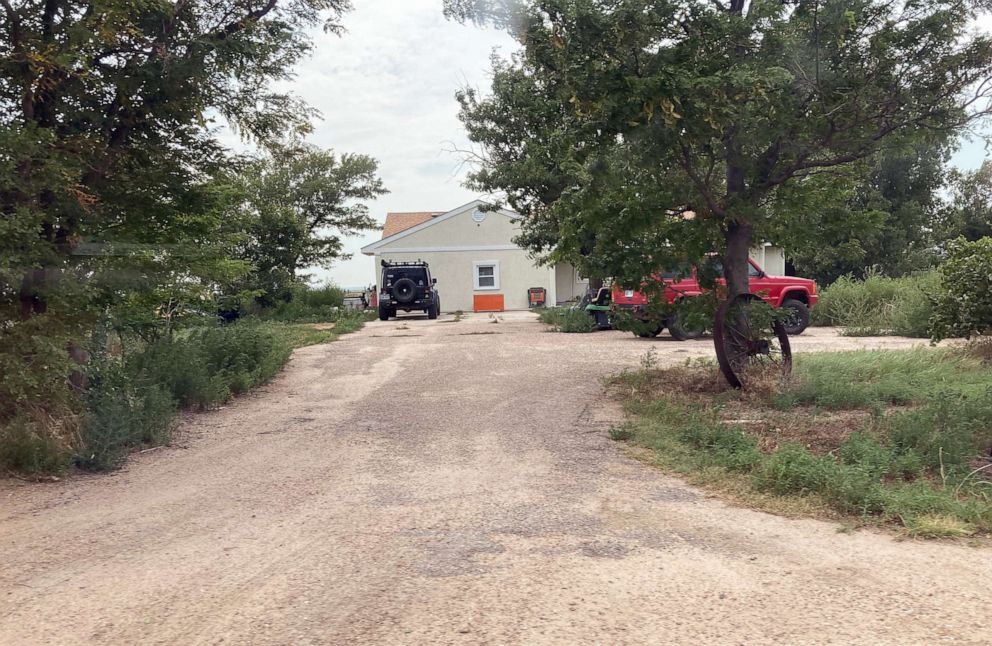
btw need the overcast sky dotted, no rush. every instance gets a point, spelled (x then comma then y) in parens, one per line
(386, 89)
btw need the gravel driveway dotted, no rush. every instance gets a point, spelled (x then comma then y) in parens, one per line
(441, 482)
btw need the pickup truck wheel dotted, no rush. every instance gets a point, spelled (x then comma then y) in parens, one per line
(796, 318)
(650, 333)
(679, 332)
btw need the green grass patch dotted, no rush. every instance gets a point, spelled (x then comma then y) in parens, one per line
(895, 437)
(883, 377)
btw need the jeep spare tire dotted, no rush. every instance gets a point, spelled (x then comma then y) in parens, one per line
(404, 290)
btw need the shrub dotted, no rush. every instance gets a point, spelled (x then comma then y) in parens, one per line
(879, 305)
(567, 319)
(209, 365)
(120, 415)
(305, 305)
(964, 303)
(31, 446)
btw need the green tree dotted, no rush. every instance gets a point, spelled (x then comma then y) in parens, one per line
(695, 125)
(108, 114)
(298, 202)
(883, 219)
(969, 211)
(105, 113)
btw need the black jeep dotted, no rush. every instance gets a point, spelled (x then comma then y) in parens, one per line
(407, 286)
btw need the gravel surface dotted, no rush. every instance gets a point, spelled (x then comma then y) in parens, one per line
(441, 482)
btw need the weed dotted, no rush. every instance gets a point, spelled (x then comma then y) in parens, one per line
(29, 445)
(567, 319)
(621, 433)
(879, 305)
(902, 449)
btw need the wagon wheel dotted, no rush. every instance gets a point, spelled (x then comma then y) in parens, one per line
(750, 340)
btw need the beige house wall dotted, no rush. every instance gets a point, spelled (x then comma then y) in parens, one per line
(568, 285)
(770, 258)
(455, 273)
(455, 243)
(461, 231)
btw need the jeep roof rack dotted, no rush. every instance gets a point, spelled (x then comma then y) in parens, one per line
(412, 263)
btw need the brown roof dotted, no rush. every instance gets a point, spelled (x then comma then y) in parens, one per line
(397, 222)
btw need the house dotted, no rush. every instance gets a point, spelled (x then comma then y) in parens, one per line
(473, 257)
(477, 265)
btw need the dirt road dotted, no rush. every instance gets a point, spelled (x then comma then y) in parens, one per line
(438, 482)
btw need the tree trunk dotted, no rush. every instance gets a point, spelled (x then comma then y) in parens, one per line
(735, 259)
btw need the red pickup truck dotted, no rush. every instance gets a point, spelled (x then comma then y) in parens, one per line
(797, 295)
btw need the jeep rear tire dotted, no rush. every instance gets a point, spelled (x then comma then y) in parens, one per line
(797, 316)
(432, 310)
(383, 313)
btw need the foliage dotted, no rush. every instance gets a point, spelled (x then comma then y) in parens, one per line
(123, 410)
(34, 446)
(296, 203)
(641, 133)
(969, 212)
(305, 304)
(879, 305)
(880, 221)
(567, 319)
(132, 399)
(121, 210)
(911, 466)
(964, 303)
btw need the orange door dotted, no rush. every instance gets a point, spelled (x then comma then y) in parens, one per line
(488, 303)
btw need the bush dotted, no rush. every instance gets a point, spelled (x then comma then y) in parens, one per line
(120, 415)
(32, 447)
(567, 319)
(879, 305)
(964, 303)
(207, 366)
(306, 305)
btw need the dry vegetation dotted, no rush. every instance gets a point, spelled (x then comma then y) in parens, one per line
(900, 438)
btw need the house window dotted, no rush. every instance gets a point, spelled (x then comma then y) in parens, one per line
(486, 275)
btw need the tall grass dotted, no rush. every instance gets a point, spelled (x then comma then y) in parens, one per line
(307, 305)
(920, 456)
(879, 305)
(132, 399)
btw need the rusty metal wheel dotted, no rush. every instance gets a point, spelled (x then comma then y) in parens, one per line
(750, 341)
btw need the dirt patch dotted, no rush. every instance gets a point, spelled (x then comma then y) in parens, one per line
(750, 410)
(493, 510)
(819, 432)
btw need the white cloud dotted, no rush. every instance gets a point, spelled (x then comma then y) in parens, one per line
(386, 89)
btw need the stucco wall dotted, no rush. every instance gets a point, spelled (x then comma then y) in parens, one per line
(771, 259)
(567, 284)
(462, 230)
(454, 271)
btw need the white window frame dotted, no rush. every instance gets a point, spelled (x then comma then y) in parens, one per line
(475, 275)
